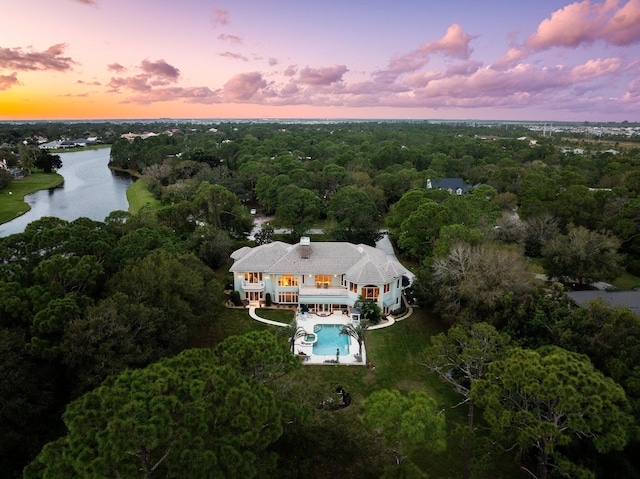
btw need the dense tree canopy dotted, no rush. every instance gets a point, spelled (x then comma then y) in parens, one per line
(407, 422)
(471, 280)
(545, 399)
(47, 162)
(583, 255)
(180, 416)
(460, 357)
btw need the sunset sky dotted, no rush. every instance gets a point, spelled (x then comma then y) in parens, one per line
(457, 59)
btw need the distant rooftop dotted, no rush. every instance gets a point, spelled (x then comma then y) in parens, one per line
(614, 299)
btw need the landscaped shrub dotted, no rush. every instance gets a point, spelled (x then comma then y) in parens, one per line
(235, 298)
(634, 268)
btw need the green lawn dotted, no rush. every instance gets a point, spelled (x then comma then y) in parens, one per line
(138, 196)
(12, 197)
(627, 282)
(280, 315)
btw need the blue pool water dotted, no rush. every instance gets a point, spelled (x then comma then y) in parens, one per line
(330, 339)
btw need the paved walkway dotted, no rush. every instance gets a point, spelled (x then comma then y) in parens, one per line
(254, 315)
(390, 320)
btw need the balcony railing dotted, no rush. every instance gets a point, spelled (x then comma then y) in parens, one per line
(324, 291)
(253, 286)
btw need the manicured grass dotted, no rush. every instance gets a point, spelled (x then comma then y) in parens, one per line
(138, 196)
(12, 197)
(627, 282)
(227, 322)
(280, 315)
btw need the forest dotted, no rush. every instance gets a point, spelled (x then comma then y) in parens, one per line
(120, 357)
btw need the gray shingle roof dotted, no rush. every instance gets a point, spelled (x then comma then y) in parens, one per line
(614, 299)
(359, 263)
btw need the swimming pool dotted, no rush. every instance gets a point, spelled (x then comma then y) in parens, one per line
(330, 339)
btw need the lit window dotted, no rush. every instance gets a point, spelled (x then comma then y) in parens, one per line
(323, 279)
(287, 280)
(252, 277)
(371, 292)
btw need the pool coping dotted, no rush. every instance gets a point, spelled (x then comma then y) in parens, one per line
(308, 321)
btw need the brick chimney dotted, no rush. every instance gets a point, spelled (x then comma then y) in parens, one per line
(305, 247)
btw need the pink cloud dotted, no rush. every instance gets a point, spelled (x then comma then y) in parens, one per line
(633, 90)
(273, 61)
(454, 43)
(87, 2)
(234, 56)
(160, 69)
(244, 86)
(624, 26)
(93, 83)
(7, 81)
(513, 55)
(596, 68)
(50, 59)
(219, 17)
(291, 70)
(203, 95)
(322, 76)
(465, 85)
(584, 22)
(230, 38)
(158, 73)
(116, 67)
(136, 83)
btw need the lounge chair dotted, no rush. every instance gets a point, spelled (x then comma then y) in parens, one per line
(303, 356)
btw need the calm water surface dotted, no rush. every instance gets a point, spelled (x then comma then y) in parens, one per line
(90, 189)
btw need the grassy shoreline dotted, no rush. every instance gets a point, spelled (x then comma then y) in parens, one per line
(138, 195)
(12, 202)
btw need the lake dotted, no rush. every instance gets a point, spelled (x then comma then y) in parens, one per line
(90, 189)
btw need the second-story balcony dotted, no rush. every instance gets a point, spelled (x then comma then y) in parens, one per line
(253, 286)
(313, 293)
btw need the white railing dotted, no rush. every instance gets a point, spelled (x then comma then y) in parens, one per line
(322, 291)
(252, 286)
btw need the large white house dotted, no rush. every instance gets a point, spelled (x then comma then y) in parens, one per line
(324, 276)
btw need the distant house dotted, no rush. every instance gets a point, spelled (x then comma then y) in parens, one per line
(575, 151)
(614, 299)
(452, 185)
(132, 136)
(52, 145)
(82, 142)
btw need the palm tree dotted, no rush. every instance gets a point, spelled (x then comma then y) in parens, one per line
(293, 332)
(357, 332)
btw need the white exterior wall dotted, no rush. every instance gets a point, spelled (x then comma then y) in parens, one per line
(271, 286)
